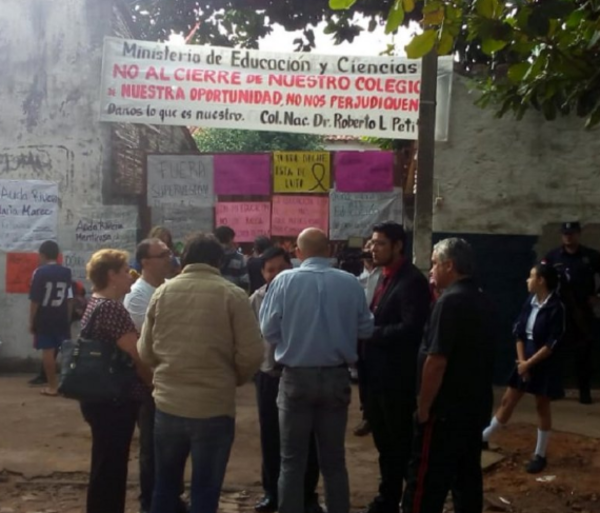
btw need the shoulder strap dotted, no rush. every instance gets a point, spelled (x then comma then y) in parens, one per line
(93, 316)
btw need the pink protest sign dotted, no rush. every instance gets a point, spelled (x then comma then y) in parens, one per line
(364, 171)
(248, 219)
(292, 214)
(242, 174)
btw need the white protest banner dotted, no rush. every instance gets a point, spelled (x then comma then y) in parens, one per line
(353, 214)
(182, 222)
(190, 85)
(180, 180)
(28, 214)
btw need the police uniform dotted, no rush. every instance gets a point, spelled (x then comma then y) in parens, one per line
(577, 272)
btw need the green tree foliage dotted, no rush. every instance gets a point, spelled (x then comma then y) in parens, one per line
(215, 140)
(541, 54)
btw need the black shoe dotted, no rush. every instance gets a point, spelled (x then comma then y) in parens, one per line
(312, 506)
(183, 507)
(536, 465)
(38, 381)
(363, 429)
(585, 397)
(380, 505)
(266, 505)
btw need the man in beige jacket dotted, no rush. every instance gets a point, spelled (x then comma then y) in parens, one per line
(202, 340)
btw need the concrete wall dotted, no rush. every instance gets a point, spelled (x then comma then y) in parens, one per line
(50, 56)
(513, 177)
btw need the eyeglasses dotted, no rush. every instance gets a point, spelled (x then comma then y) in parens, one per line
(164, 254)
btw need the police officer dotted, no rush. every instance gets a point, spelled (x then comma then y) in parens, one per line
(577, 266)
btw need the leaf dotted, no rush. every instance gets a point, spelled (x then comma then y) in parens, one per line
(372, 25)
(491, 46)
(575, 18)
(395, 17)
(594, 39)
(434, 17)
(446, 42)
(329, 29)
(421, 44)
(338, 5)
(517, 71)
(487, 8)
(593, 119)
(538, 22)
(408, 5)
(431, 6)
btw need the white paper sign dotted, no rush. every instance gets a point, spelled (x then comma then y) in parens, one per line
(105, 227)
(353, 214)
(77, 262)
(182, 222)
(28, 214)
(180, 180)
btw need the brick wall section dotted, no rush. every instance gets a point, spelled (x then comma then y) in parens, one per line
(131, 142)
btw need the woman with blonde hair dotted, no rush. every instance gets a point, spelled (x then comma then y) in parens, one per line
(112, 422)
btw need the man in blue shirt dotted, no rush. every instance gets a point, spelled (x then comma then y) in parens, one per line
(314, 315)
(50, 309)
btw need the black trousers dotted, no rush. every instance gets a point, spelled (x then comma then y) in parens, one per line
(146, 457)
(390, 415)
(584, 358)
(112, 427)
(446, 457)
(362, 385)
(267, 388)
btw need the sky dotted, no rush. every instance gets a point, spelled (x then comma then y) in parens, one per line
(367, 43)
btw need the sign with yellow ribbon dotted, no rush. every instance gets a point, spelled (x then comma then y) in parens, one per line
(301, 171)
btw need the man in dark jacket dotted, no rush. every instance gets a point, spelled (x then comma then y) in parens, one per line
(400, 306)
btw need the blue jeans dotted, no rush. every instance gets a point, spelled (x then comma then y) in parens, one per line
(209, 442)
(313, 400)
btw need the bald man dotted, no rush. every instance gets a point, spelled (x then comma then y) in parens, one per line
(314, 315)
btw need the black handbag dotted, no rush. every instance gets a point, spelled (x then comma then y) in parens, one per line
(94, 370)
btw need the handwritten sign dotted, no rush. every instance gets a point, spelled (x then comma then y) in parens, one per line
(77, 262)
(301, 171)
(19, 270)
(181, 180)
(243, 174)
(364, 171)
(182, 222)
(105, 228)
(353, 214)
(248, 219)
(292, 214)
(28, 214)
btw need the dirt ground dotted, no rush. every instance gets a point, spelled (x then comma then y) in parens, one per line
(45, 446)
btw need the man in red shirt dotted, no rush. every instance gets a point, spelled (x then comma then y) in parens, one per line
(401, 307)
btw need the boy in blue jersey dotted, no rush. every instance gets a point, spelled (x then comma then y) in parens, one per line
(51, 297)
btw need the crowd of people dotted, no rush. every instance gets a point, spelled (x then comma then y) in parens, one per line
(198, 325)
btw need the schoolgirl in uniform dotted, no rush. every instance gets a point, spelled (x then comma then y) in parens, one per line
(539, 329)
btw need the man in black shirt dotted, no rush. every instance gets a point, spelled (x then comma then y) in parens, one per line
(455, 369)
(578, 266)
